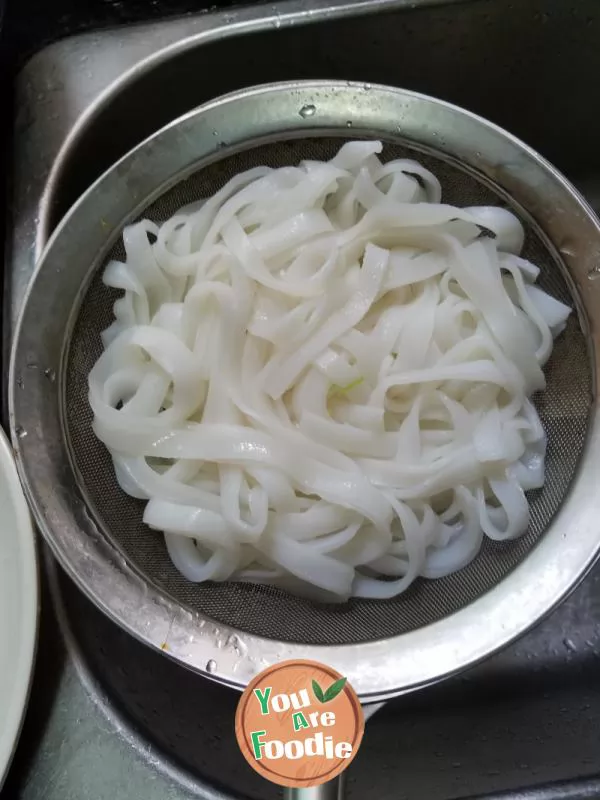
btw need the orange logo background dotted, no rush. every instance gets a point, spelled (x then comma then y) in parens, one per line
(299, 723)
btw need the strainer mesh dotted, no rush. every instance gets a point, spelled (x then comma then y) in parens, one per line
(564, 408)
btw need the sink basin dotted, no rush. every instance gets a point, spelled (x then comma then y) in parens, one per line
(122, 721)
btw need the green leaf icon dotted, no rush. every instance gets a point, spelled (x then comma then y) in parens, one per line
(334, 690)
(318, 692)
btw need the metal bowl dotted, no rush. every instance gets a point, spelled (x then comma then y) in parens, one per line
(236, 124)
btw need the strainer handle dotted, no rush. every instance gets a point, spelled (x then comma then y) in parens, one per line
(334, 790)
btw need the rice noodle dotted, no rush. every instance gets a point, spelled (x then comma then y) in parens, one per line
(320, 378)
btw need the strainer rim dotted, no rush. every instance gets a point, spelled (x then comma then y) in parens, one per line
(385, 667)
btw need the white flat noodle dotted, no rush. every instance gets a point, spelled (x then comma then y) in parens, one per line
(503, 224)
(319, 378)
(553, 312)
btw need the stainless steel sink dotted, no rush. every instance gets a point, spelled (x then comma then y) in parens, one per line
(109, 718)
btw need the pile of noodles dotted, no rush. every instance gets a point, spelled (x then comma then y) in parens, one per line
(319, 378)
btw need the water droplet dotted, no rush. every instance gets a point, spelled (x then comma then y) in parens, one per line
(32, 365)
(20, 382)
(349, 123)
(50, 374)
(594, 273)
(239, 647)
(215, 133)
(570, 645)
(367, 87)
(211, 666)
(308, 111)
(21, 432)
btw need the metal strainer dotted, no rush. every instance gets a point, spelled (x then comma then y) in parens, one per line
(231, 631)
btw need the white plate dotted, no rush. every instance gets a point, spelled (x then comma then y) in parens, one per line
(18, 604)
